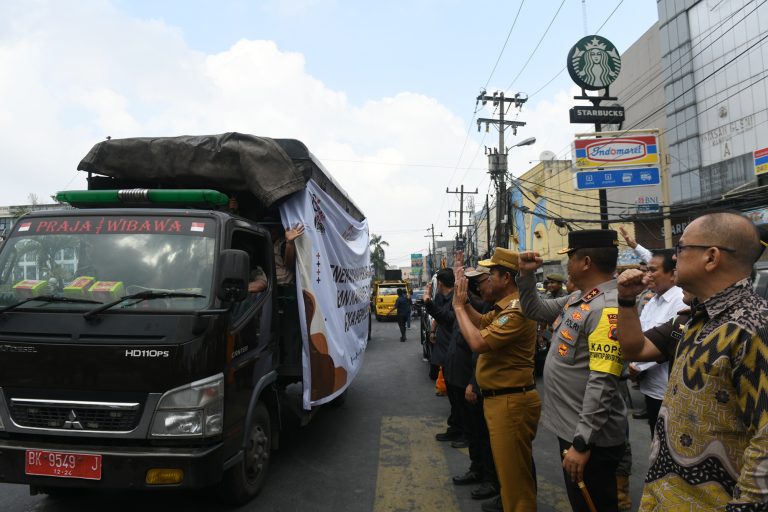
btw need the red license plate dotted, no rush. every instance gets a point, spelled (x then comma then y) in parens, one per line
(63, 465)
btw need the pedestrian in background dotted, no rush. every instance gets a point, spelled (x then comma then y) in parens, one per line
(506, 342)
(710, 447)
(582, 404)
(403, 307)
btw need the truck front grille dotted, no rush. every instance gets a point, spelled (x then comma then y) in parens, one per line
(72, 415)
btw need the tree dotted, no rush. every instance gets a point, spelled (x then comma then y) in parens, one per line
(377, 255)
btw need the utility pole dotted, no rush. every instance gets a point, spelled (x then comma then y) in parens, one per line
(460, 211)
(497, 158)
(434, 251)
(487, 227)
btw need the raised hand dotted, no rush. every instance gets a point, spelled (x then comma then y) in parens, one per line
(294, 232)
(627, 237)
(460, 289)
(458, 261)
(529, 261)
(631, 283)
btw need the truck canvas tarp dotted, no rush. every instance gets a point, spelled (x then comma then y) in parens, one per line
(333, 269)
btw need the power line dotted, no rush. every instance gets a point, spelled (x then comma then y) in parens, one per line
(514, 22)
(509, 87)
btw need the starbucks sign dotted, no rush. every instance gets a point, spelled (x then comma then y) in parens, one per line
(594, 63)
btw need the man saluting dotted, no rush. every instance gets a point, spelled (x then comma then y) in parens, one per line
(582, 403)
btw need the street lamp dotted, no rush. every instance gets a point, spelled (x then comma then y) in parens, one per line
(525, 142)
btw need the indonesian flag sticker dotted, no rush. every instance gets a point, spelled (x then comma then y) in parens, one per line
(198, 226)
(24, 226)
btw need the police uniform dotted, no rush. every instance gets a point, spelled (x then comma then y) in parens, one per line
(582, 404)
(511, 403)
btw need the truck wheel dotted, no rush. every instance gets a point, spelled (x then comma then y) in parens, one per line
(379, 318)
(244, 481)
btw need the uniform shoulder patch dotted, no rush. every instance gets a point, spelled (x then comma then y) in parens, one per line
(591, 295)
(503, 319)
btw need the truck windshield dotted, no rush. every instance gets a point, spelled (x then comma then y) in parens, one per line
(104, 258)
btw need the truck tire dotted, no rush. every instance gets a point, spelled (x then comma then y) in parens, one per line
(379, 318)
(244, 481)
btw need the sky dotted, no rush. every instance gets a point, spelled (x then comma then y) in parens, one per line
(383, 93)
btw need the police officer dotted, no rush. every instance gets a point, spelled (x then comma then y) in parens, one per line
(506, 342)
(582, 404)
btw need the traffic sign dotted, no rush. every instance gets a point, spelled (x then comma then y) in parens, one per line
(616, 178)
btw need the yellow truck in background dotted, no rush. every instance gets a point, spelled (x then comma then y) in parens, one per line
(385, 294)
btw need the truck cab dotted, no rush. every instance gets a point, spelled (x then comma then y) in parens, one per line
(134, 355)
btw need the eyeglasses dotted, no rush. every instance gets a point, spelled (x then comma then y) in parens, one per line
(681, 247)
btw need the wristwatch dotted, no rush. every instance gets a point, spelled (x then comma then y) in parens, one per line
(580, 445)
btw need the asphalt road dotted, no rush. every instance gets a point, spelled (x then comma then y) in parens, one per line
(376, 453)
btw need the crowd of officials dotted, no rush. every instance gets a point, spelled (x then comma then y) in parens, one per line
(688, 328)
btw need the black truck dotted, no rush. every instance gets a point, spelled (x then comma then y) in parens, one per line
(132, 355)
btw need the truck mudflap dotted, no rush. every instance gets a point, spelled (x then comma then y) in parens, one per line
(118, 468)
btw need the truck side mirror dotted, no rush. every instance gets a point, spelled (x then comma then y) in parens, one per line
(233, 275)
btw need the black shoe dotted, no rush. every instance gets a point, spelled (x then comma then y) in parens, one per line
(448, 435)
(492, 505)
(470, 477)
(460, 443)
(484, 491)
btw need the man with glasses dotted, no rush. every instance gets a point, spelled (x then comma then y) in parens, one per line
(582, 404)
(710, 445)
(506, 341)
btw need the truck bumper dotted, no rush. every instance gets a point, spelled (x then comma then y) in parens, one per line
(121, 467)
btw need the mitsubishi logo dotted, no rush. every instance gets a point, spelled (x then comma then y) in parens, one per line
(72, 421)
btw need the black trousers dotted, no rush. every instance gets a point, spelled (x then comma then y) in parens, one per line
(599, 478)
(455, 418)
(401, 319)
(652, 406)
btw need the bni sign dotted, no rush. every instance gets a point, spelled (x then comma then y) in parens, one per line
(617, 178)
(616, 151)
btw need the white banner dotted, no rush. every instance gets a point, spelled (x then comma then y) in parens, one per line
(333, 280)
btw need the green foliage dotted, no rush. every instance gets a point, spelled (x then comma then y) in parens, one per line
(377, 255)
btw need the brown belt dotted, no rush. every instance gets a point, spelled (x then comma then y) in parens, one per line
(507, 391)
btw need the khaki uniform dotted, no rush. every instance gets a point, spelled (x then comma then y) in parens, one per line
(511, 404)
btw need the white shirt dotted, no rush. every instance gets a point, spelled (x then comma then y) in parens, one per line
(658, 310)
(643, 253)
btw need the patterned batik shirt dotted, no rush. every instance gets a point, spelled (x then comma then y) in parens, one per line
(710, 451)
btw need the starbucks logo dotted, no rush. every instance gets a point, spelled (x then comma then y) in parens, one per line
(594, 63)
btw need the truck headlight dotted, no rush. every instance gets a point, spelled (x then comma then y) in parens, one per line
(192, 410)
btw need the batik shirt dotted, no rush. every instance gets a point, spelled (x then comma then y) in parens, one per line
(710, 451)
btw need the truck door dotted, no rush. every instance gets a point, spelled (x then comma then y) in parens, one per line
(249, 336)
